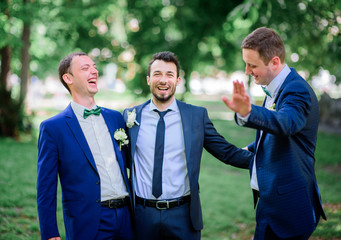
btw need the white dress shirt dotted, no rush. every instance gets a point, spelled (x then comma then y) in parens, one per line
(273, 89)
(175, 182)
(100, 143)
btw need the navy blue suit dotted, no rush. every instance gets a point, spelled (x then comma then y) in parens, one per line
(289, 195)
(64, 151)
(199, 133)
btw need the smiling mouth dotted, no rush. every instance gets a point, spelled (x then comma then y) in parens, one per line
(92, 81)
(255, 76)
(163, 89)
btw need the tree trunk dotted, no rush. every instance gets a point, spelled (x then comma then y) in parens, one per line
(9, 115)
(11, 110)
(5, 66)
(25, 62)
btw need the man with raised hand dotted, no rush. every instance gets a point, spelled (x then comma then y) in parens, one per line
(282, 171)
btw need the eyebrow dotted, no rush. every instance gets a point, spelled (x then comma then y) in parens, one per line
(88, 65)
(159, 71)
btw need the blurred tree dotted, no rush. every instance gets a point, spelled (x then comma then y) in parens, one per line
(309, 29)
(10, 109)
(35, 35)
(206, 35)
(190, 29)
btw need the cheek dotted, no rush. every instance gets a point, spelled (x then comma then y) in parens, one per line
(259, 72)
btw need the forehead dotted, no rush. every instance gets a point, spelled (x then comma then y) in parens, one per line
(162, 66)
(250, 55)
(79, 61)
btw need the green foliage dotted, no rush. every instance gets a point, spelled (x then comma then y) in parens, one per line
(310, 29)
(206, 35)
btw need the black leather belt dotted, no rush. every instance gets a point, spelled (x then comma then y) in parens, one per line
(115, 203)
(163, 204)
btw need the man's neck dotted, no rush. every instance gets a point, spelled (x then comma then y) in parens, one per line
(163, 105)
(85, 102)
(280, 68)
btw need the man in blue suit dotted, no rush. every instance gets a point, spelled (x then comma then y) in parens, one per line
(167, 203)
(282, 171)
(79, 146)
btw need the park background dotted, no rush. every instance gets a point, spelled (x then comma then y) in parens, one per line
(121, 36)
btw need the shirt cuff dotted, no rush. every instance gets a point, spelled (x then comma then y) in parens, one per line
(242, 120)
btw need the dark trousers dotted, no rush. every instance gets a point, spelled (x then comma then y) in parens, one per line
(115, 224)
(266, 233)
(168, 224)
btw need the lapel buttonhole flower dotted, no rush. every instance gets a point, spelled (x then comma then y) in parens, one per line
(131, 118)
(121, 137)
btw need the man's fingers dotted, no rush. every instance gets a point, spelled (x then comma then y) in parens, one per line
(242, 89)
(236, 87)
(225, 100)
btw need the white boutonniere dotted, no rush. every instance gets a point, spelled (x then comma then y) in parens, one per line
(273, 107)
(121, 137)
(131, 120)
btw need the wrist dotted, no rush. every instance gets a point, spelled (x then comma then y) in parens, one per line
(245, 112)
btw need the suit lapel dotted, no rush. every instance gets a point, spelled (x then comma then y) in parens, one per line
(186, 119)
(77, 132)
(135, 129)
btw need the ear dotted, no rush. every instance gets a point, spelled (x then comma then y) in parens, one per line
(178, 81)
(275, 62)
(148, 80)
(67, 79)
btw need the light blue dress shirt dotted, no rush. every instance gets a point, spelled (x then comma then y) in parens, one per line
(273, 89)
(175, 182)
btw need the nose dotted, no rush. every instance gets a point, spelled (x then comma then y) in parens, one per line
(94, 70)
(163, 79)
(247, 70)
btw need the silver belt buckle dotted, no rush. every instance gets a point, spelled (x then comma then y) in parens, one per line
(110, 203)
(162, 208)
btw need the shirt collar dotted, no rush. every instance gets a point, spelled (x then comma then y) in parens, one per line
(276, 83)
(174, 106)
(79, 109)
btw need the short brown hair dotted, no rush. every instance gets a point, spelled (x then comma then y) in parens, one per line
(267, 43)
(65, 64)
(167, 57)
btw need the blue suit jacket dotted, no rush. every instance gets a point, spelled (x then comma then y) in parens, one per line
(64, 151)
(285, 159)
(199, 133)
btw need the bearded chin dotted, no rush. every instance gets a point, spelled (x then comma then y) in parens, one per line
(163, 98)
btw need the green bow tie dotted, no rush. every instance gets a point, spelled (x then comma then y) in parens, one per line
(96, 112)
(266, 91)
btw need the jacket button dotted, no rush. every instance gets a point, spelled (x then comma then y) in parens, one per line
(98, 201)
(97, 182)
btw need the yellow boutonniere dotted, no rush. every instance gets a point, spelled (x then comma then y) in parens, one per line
(273, 107)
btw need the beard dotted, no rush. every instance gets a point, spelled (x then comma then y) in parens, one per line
(162, 98)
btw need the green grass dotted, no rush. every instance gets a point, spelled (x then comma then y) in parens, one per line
(225, 192)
